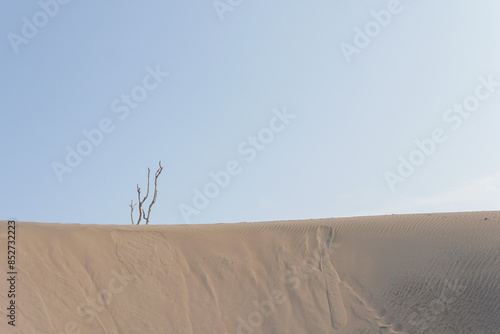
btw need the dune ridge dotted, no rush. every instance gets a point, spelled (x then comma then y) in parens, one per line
(426, 273)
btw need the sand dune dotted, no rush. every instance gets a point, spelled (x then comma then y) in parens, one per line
(436, 273)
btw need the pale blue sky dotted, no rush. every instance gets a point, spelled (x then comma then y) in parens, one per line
(352, 119)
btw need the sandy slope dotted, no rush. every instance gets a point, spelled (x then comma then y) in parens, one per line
(437, 273)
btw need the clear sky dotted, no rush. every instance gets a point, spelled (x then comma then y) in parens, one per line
(309, 109)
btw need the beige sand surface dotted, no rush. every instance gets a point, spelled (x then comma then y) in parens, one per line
(430, 273)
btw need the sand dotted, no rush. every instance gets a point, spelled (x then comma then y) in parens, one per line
(427, 273)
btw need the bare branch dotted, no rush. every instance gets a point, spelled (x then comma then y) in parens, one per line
(132, 206)
(158, 172)
(142, 213)
(147, 193)
(140, 203)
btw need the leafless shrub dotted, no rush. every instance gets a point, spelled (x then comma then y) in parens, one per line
(142, 213)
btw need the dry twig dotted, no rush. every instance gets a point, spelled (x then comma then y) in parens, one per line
(132, 205)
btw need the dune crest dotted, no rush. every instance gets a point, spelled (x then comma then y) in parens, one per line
(428, 273)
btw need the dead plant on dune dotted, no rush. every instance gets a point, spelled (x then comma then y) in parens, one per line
(142, 213)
